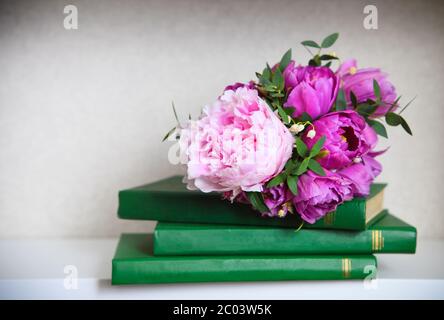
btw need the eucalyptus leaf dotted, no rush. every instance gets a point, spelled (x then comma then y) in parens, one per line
(366, 109)
(406, 106)
(310, 43)
(292, 183)
(378, 127)
(393, 119)
(328, 57)
(314, 166)
(329, 40)
(406, 127)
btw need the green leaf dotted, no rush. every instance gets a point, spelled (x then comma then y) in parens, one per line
(305, 117)
(292, 183)
(377, 89)
(257, 201)
(301, 147)
(378, 127)
(394, 104)
(317, 146)
(174, 111)
(289, 110)
(366, 109)
(341, 103)
(393, 119)
(406, 127)
(328, 64)
(278, 79)
(408, 103)
(314, 166)
(310, 43)
(315, 61)
(328, 57)
(290, 165)
(277, 180)
(329, 40)
(286, 58)
(282, 114)
(169, 133)
(266, 74)
(353, 99)
(303, 167)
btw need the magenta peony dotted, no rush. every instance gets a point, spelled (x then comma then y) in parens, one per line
(237, 144)
(319, 195)
(277, 200)
(237, 85)
(313, 89)
(360, 81)
(348, 137)
(362, 175)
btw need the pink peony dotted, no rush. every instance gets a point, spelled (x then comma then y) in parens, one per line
(360, 81)
(319, 195)
(313, 89)
(237, 144)
(348, 136)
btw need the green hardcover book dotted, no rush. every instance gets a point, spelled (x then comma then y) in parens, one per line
(134, 263)
(386, 234)
(169, 200)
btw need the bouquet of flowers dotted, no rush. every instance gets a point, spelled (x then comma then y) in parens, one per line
(299, 140)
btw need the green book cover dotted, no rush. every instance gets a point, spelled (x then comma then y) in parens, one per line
(169, 200)
(134, 263)
(386, 234)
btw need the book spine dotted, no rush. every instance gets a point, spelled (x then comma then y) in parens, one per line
(203, 208)
(222, 269)
(199, 240)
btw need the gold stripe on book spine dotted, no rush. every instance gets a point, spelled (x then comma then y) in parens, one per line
(346, 267)
(377, 240)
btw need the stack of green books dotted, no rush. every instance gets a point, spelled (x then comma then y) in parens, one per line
(201, 238)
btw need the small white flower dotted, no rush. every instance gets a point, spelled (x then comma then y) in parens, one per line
(311, 134)
(296, 128)
(357, 160)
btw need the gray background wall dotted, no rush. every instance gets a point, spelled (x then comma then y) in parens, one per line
(82, 112)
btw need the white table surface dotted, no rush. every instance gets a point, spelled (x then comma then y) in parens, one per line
(35, 269)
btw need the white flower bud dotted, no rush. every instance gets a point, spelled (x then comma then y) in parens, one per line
(296, 128)
(311, 134)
